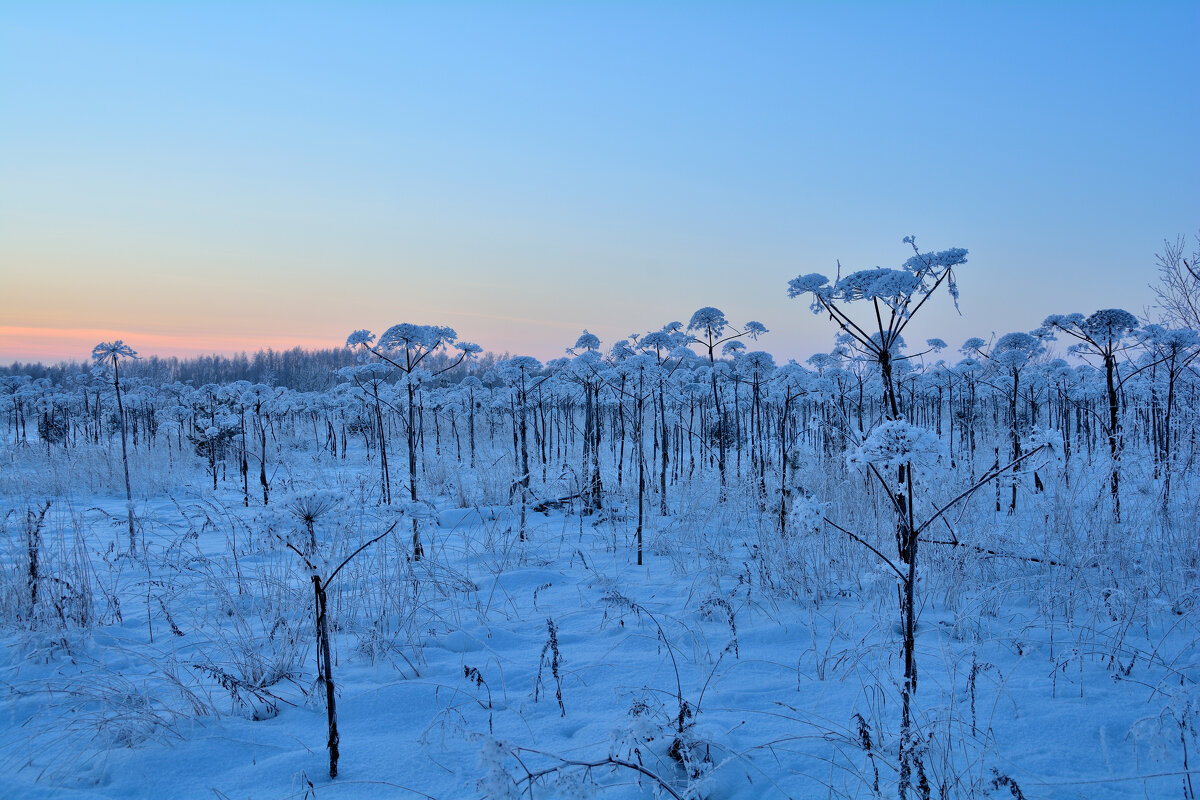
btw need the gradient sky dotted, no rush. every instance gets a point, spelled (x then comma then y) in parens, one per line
(216, 177)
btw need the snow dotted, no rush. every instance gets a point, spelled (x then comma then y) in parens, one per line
(527, 653)
(94, 715)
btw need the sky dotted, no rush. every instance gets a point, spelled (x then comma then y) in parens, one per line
(217, 177)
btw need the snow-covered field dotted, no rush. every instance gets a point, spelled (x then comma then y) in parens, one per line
(732, 663)
(647, 574)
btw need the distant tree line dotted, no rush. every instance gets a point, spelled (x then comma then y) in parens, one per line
(298, 369)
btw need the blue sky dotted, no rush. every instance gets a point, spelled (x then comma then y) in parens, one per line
(206, 176)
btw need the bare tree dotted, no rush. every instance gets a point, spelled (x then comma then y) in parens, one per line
(1178, 290)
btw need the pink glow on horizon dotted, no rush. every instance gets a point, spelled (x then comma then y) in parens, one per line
(51, 345)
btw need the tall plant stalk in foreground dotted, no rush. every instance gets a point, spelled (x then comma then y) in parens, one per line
(895, 296)
(308, 510)
(109, 354)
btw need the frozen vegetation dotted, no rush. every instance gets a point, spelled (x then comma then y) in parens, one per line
(669, 567)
